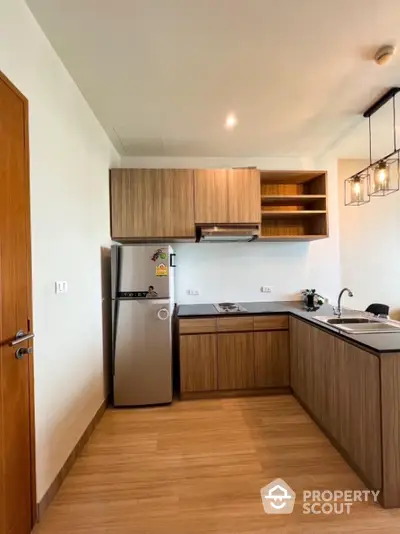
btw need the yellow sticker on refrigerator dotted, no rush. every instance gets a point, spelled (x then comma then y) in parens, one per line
(161, 269)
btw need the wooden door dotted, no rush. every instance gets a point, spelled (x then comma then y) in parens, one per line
(152, 203)
(236, 361)
(271, 359)
(244, 196)
(211, 196)
(17, 482)
(198, 362)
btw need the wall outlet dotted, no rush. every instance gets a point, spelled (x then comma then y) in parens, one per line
(193, 292)
(266, 289)
(61, 287)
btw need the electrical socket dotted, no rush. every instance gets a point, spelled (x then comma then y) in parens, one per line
(61, 287)
(193, 292)
(266, 289)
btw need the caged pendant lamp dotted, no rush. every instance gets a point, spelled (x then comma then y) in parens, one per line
(381, 177)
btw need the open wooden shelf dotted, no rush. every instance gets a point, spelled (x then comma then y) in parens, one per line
(290, 213)
(283, 200)
(292, 237)
(293, 205)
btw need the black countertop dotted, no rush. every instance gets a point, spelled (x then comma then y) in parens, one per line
(376, 342)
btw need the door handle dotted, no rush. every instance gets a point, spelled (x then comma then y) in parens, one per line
(20, 353)
(21, 337)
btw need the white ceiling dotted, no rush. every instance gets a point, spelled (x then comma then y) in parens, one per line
(161, 75)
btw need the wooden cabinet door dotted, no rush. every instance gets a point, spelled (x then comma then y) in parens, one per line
(244, 196)
(271, 359)
(354, 407)
(198, 362)
(128, 192)
(300, 360)
(307, 366)
(321, 356)
(178, 204)
(211, 196)
(236, 361)
(152, 203)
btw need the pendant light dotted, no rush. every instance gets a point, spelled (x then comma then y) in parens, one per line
(385, 171)
(357, 189)
(382, 177)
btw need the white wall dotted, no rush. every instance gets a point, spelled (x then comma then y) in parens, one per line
(236, 271)
(70, 157)
(370, 246)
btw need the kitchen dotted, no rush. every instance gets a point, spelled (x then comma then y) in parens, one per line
(338, 363)
(191, 166)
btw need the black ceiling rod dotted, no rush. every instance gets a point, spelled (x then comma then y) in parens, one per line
(381, 102)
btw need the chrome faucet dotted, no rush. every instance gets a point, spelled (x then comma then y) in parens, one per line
(338, 311)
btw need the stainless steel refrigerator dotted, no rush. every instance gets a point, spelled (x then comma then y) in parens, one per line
(142, 308)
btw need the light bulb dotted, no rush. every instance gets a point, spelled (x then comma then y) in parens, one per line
(356, 190)
(381, 177)
(382, 173)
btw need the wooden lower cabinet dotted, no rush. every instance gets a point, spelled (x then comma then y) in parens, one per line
(230, 354)
(301, 370)
(235, 361)
(271, 359)
(198, 362)
(354, 401)
(339, 384)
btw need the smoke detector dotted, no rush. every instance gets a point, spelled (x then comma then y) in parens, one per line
(384, 54)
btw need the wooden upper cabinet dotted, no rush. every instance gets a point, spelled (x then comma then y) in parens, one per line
(244, 196)
(227, 196)
(211, 196)
(152, 203)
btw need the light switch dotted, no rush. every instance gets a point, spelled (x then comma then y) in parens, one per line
(61, 287)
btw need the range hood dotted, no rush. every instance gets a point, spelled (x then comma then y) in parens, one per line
(227, 232)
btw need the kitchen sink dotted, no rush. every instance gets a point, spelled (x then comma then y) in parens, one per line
(361, 325)
(352, 320)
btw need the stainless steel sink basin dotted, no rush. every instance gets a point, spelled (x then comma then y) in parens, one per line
(361, 325)
(352, 320)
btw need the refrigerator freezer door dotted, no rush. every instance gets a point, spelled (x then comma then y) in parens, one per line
(142, 352)
(136, 268)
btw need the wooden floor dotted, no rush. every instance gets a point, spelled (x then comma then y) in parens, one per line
(198, 466)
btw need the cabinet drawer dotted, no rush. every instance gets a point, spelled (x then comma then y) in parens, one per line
(235, 324)
(197, 326)
(271, 322)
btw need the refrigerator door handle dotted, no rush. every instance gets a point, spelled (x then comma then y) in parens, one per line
(171, 260)
(163, 314)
